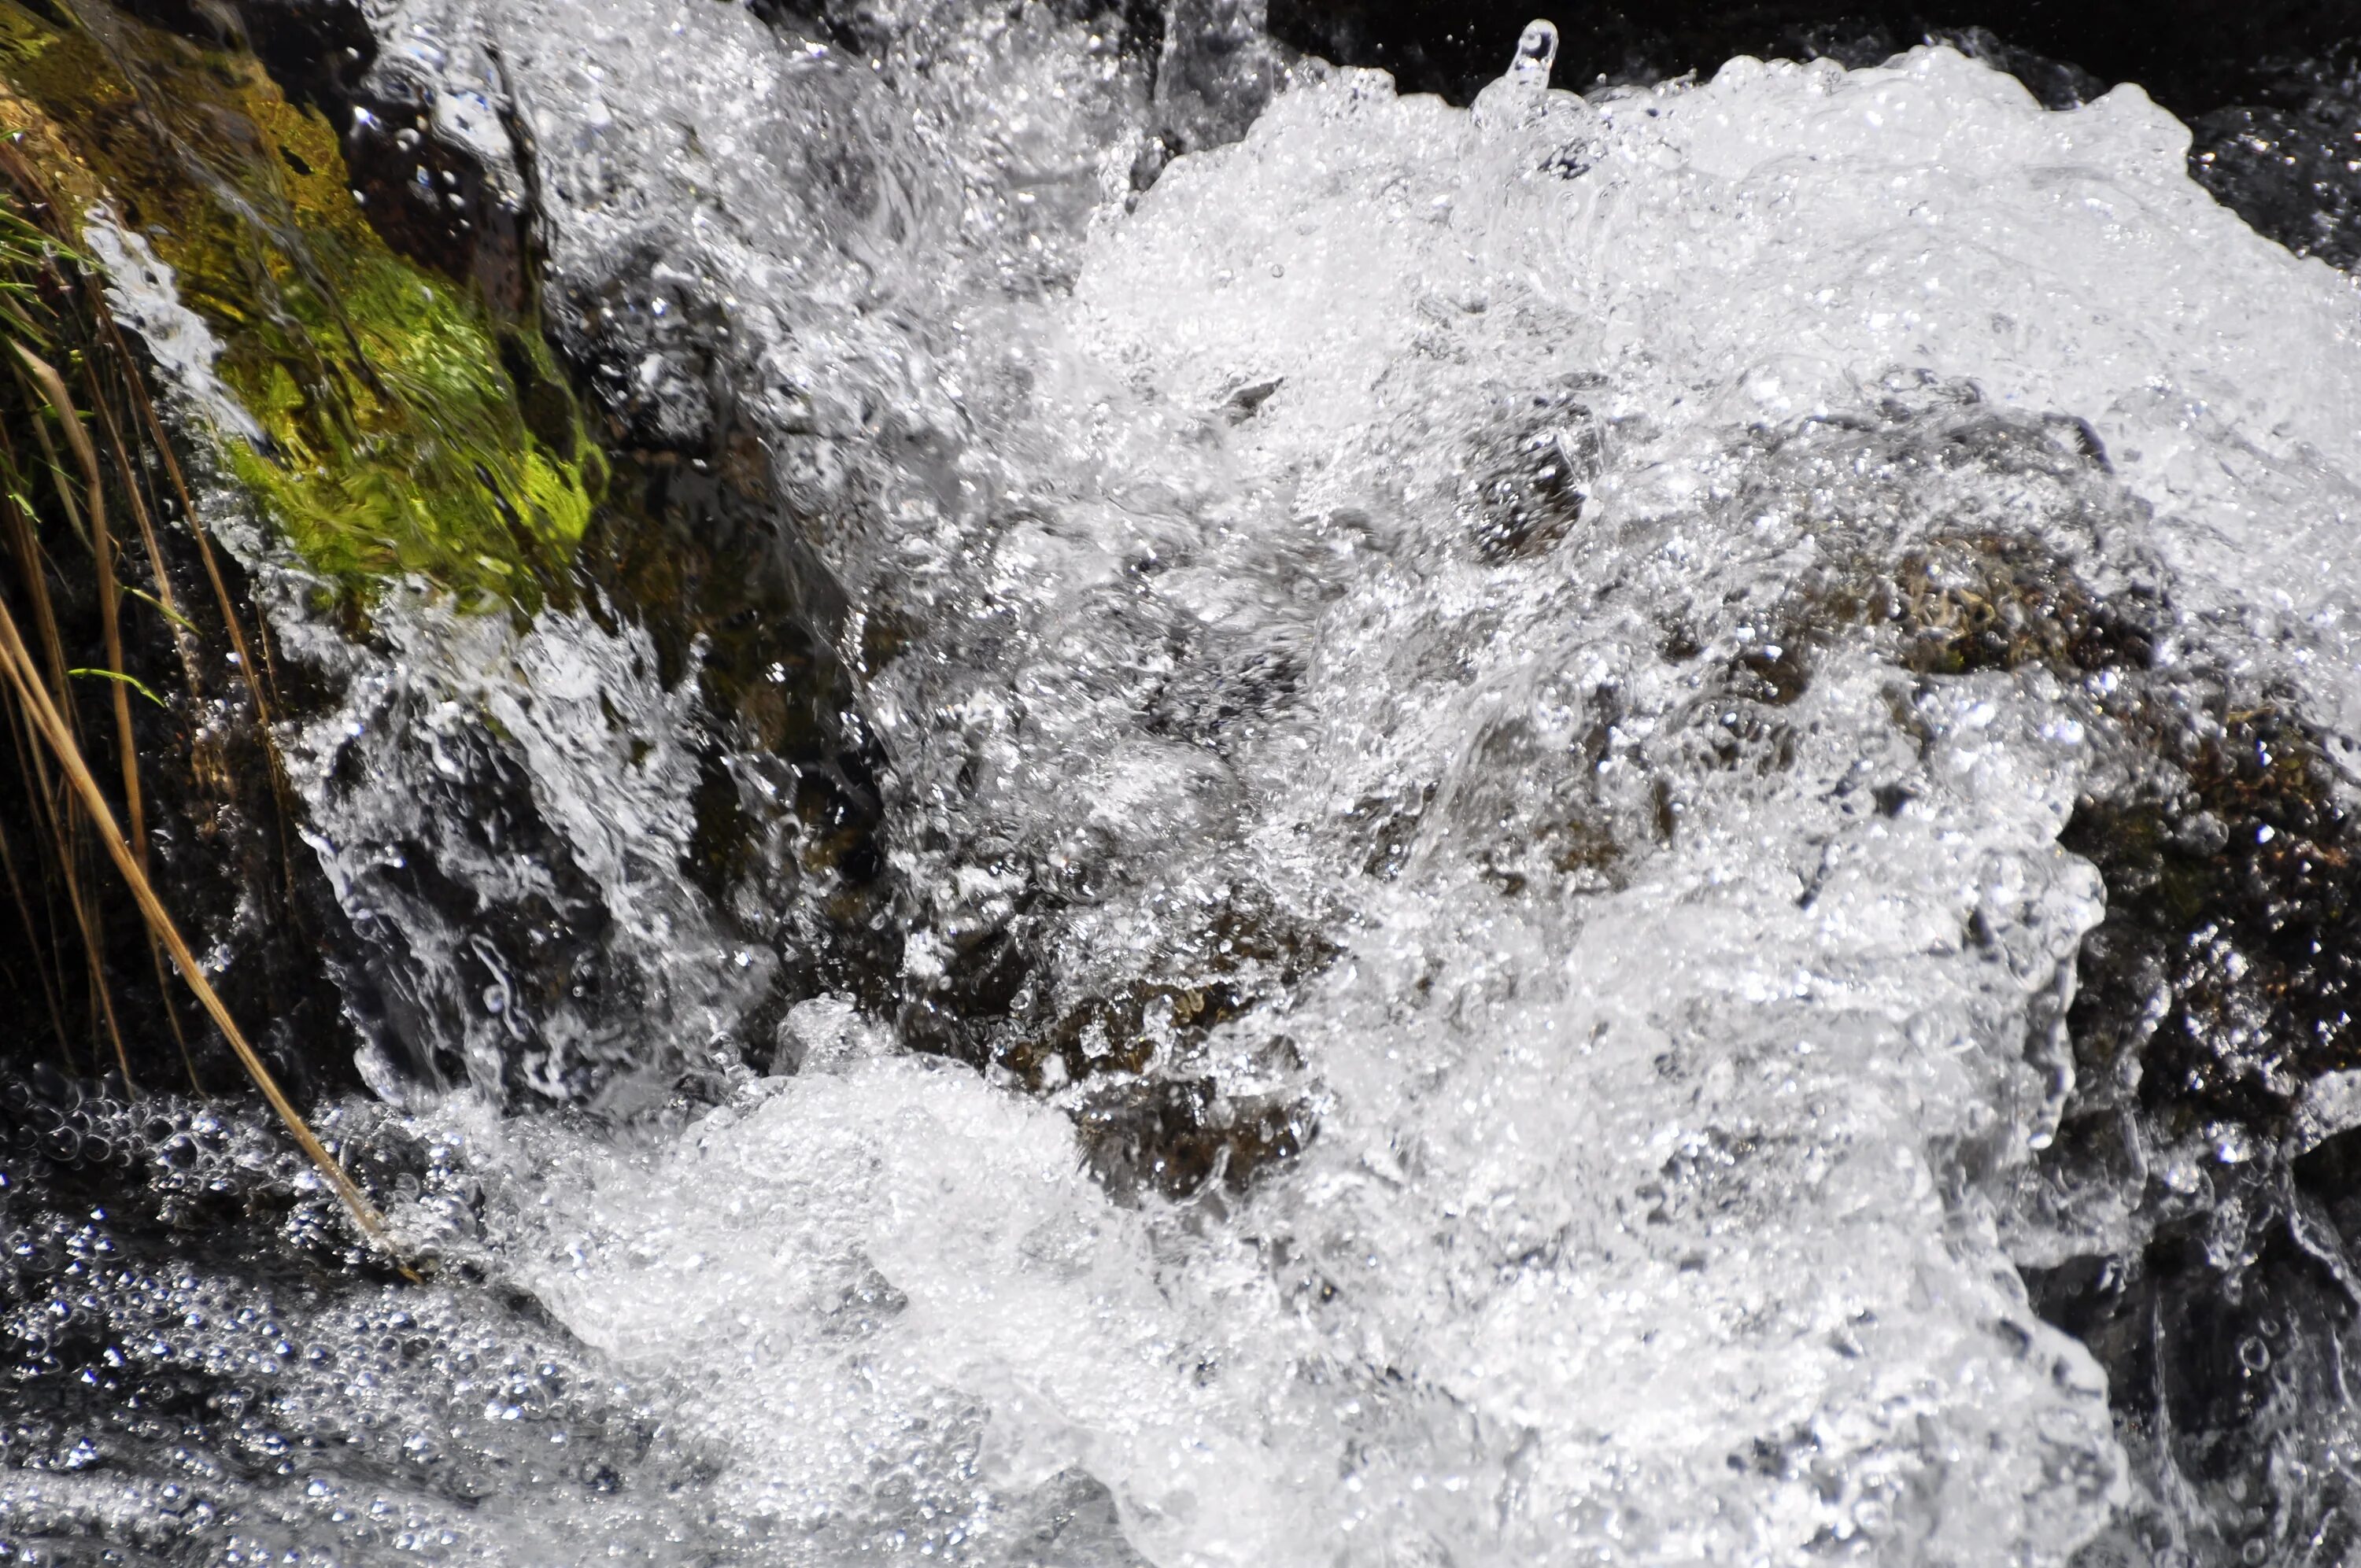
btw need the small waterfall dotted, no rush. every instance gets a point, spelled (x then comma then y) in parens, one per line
(1107, 799)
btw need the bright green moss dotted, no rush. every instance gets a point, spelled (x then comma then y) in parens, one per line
(397, 441)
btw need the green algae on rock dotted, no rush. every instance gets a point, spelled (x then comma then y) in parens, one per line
(392, 434)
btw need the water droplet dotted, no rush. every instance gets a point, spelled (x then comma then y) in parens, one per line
(1536, 52)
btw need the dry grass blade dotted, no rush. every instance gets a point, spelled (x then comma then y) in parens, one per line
(184, 634)
(163, 450)
(24, 679)
(53, 388)
(253, 675)
(71, 508)
(63, 827)
(101, 542)
(41, 272)
(161, 445)
(37, 582)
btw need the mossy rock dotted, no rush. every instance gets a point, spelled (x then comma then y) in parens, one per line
(401, 427)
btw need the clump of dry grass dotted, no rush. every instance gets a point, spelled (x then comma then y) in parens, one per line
(72, 467)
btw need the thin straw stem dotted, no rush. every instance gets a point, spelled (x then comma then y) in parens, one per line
(53, 388)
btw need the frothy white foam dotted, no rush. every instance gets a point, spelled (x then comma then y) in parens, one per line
(1680, 1049)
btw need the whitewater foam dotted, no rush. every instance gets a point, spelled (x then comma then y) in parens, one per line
(1431, 530)
(1649, 1215)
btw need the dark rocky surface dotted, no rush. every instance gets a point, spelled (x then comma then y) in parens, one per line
(2288, 159)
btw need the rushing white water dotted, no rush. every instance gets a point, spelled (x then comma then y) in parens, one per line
(1425, 531)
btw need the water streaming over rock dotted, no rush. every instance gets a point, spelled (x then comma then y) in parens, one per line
(1465, 778)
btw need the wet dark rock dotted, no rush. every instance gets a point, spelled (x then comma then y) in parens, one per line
(1730, 733)
(643, 344)
(991, 1006)
(1210, 701)
(317, 50)
(482, 950)
(434, 200)
(431, 196)
(1182, 1137)
(1387, 827)
(2220, 987)
(1535, 808)
(2218, 1341)
(1210, 65)
(1153, 1110)
(2230, 960)
(1074, 1523)
(1995, 602)
(2222, 984)
(1526, 489)
(537, 964)
(1945, 532)
(1966, 598)
(855, 27)
(788, 843)
(1770, 674)
(2287, 162)
(1246, 401)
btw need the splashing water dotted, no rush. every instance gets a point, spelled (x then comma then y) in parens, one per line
(1479, 717)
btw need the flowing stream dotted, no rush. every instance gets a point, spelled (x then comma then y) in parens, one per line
(1478, 883)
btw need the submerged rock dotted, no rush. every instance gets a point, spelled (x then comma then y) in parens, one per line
(2286, 163)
